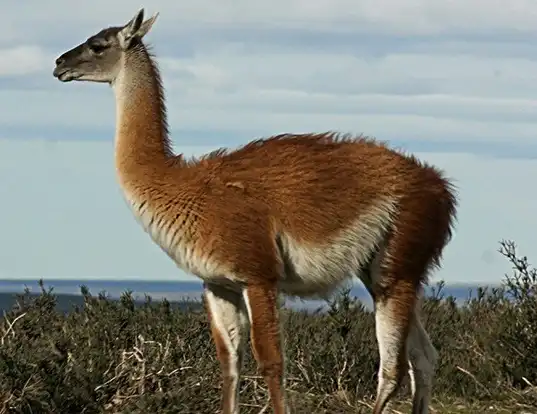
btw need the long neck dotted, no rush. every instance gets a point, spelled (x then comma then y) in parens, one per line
(141, 127)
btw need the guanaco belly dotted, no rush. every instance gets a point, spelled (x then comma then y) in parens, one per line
(309, 269)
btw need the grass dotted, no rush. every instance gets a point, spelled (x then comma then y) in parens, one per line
(115, 357)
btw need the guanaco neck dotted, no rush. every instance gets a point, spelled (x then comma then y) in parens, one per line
(142, 144)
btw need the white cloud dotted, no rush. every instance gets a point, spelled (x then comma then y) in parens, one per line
(22, 60)
(274, 83)
(402, 96)
(408, 17)
(397, 73)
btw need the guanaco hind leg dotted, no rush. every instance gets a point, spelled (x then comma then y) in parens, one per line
(404, 345)
(229, 327)
(265, 335)
(420, 354)
(422, 363)
(393, 316)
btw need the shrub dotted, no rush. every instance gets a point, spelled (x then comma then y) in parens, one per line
(111, 356)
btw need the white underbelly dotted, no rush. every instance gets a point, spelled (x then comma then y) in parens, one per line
(317, 270)
(312, 271)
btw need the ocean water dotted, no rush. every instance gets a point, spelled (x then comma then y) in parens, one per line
(192, 290)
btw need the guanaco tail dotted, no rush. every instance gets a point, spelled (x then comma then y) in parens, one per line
(297, 214)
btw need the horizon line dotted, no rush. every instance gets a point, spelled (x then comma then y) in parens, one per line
(23, 280)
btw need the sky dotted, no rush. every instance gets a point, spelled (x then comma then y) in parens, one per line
(453, 82)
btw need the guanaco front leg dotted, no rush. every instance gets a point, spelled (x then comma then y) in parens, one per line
(265, 336)
(229, 327)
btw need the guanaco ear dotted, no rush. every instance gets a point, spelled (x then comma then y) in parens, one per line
(135, 29)
(146, 26)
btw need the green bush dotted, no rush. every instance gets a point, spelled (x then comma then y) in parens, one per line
(114, 357)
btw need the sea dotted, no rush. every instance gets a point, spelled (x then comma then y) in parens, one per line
(192, 290)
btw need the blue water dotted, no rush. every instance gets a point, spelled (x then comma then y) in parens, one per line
(180, 290)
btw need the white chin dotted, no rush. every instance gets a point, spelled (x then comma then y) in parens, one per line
(68, 77)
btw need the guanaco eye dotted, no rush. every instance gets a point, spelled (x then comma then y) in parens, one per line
(97, 48)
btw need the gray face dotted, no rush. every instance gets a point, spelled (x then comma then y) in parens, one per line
(94, 60)
(99, 58)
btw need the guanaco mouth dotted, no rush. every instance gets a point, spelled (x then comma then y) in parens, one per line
(65, 74)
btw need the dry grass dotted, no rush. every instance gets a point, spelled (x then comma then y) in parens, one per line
(112, 357)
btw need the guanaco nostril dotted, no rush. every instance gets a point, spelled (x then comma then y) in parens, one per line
(60, 60)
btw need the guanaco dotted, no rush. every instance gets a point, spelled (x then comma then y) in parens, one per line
(296, 214)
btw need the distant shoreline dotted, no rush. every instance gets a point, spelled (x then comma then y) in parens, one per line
(182, 291)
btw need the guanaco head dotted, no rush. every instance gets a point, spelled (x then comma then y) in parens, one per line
(99, 59)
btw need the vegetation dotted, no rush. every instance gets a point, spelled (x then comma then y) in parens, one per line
(115, 357)
(66, 301)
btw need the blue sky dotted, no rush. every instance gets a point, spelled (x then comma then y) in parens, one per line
(455, 82)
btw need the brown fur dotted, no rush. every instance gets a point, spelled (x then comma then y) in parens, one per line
(226, 217)
(265, 337)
